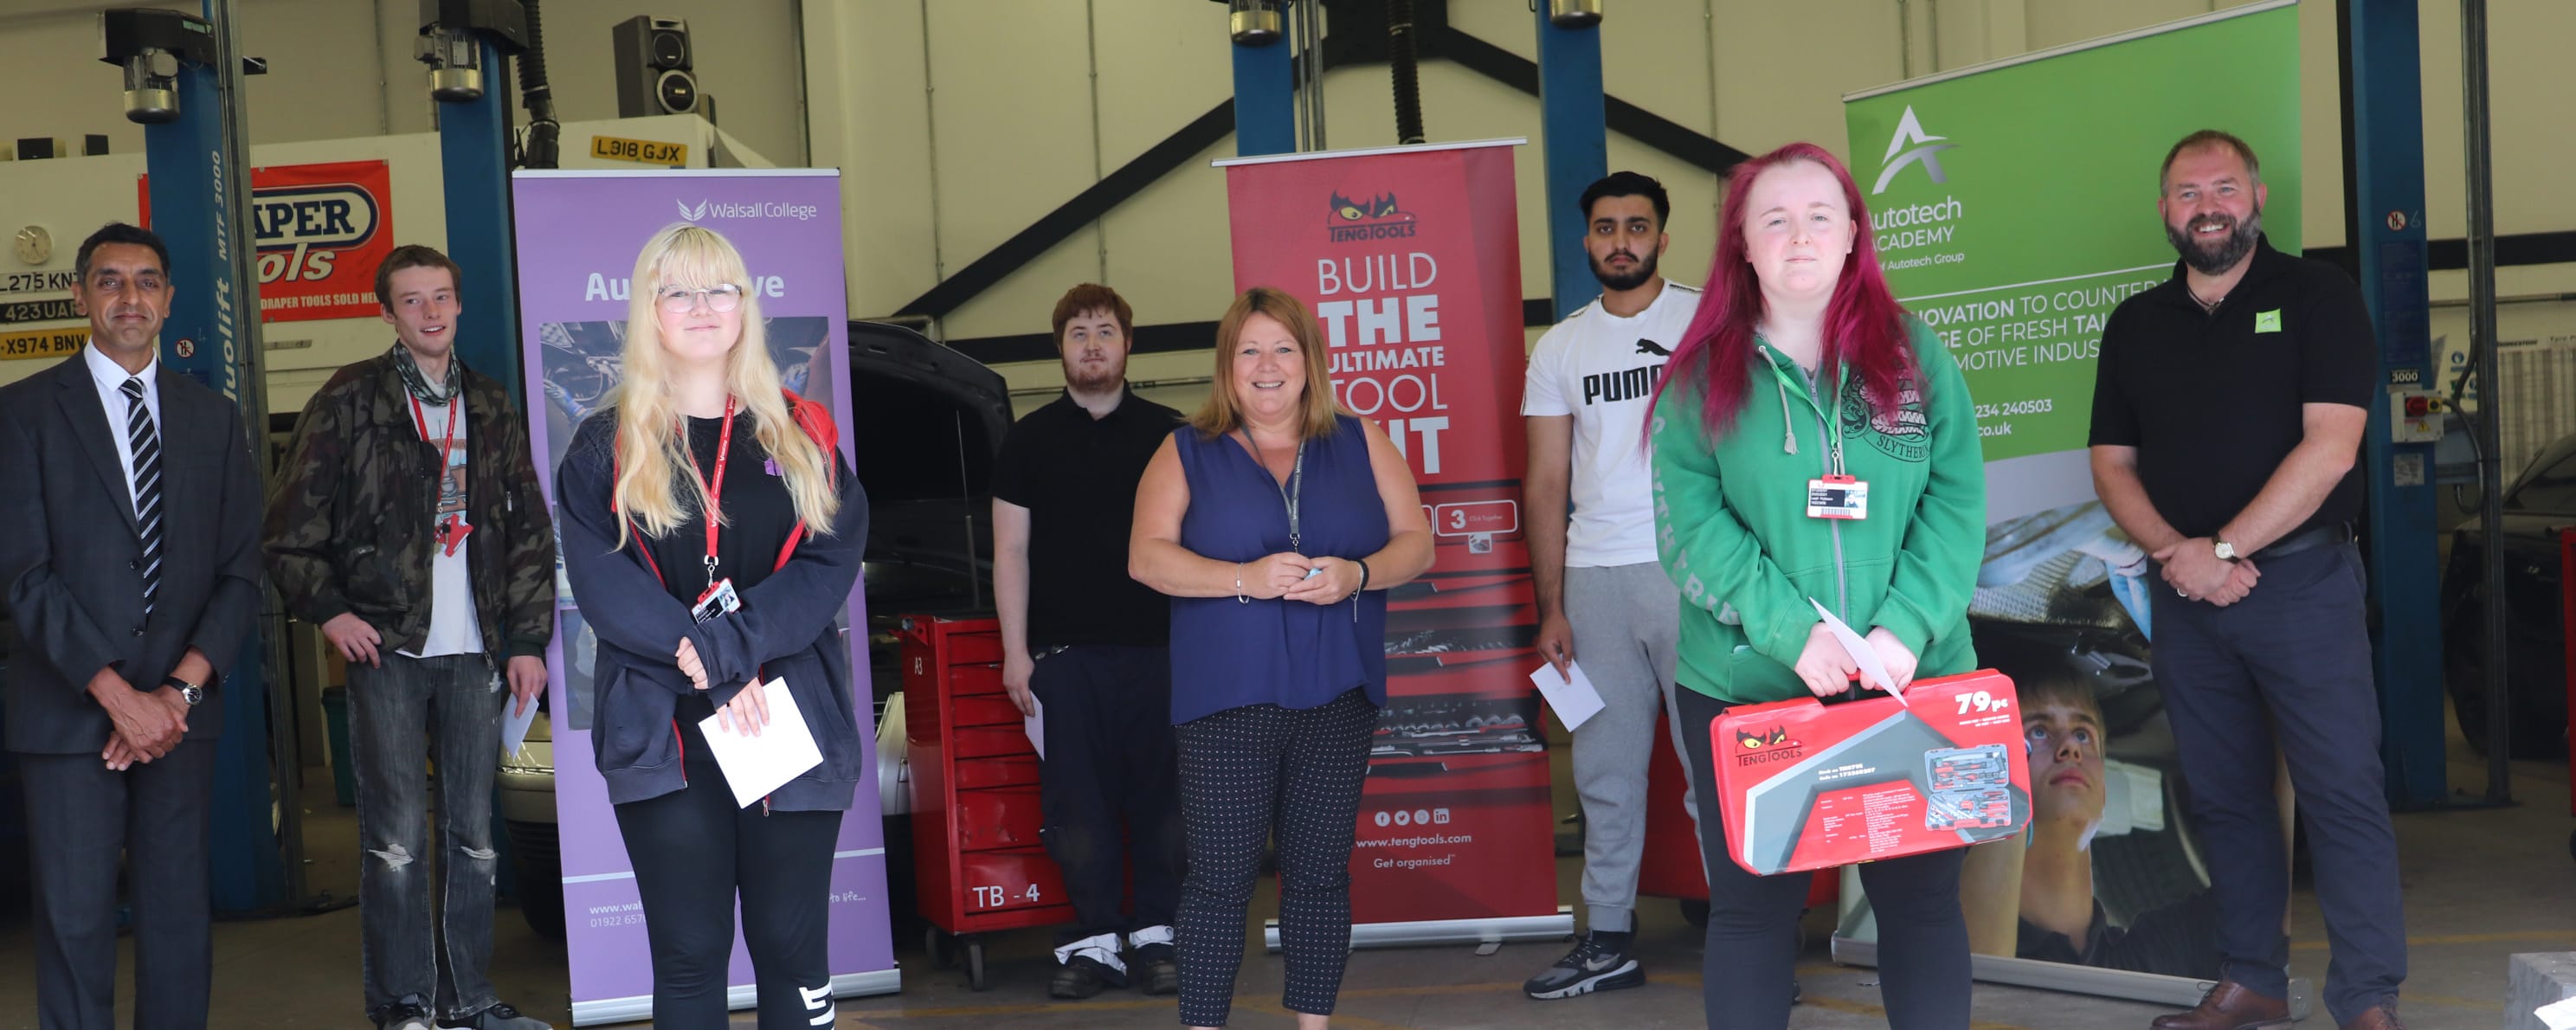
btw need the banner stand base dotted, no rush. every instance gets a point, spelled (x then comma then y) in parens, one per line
(2181, 992)
(739, 998)
(1495, 930)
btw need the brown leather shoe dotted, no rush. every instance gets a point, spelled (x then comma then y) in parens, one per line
(2382, 1016)
(2229, 1006)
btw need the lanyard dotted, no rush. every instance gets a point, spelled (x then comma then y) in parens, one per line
(1290, 494)
(1833, 424)
(446, 445)
(715, 488)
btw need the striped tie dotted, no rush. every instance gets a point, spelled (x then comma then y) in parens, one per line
(146, 446)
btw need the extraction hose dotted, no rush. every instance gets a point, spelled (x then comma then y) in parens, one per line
(1406, 60)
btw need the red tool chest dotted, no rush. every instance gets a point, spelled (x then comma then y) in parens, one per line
(975, 818)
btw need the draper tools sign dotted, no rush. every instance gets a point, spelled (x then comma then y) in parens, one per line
(322, 230)
(1410, 259)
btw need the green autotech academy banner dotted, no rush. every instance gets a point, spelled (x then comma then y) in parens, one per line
(2014, 206)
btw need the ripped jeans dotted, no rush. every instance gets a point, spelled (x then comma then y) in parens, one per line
(401, 717)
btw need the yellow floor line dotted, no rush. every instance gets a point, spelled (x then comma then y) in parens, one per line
(2448, 1001)
(2558, 936)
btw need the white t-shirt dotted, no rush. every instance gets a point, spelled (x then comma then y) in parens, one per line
(1601, 369)
(453, 628)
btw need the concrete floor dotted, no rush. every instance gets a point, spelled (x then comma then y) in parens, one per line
(2480, 885)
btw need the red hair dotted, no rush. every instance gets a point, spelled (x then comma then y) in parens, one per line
(1864, 327)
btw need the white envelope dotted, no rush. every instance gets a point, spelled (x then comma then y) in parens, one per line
(514, 728)
(754, 766)
(1034, 724)
(1872, 671)
(1571, 695)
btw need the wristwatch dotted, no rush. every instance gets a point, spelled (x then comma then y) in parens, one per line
(2226, 551)
(189, 692)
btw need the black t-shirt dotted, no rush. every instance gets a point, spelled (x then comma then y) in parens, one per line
(1077, 477)
(2180, 939)
(2212, 400)
(760, 512)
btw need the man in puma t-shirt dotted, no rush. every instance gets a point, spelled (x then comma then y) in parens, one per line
(1602, 597)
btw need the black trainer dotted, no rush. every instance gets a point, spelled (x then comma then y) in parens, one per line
(1083, 977)
(1156, 968)
(1600, 962)
(407, 1013)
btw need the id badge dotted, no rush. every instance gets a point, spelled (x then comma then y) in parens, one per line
(718, 601)
(1837, 497)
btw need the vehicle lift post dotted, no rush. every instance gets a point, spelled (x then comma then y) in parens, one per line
(183, 77)
(464, 43)
(2384, 230)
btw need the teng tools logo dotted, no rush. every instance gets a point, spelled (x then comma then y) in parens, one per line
(1758, 748)
(1361, 221)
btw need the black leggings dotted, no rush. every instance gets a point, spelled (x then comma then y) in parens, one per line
(693, 850)
(1753, 921)
(1244, 773)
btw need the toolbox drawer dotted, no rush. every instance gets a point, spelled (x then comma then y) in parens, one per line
(1002, 817)
(997, 772)
(974, 648)
(994, 881)
(989, 741)
(974, 679)
(984, 710)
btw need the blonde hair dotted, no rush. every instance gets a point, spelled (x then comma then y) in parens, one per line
(651, 448)
(1223, 411)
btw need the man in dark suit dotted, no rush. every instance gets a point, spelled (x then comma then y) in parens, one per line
(131, 565)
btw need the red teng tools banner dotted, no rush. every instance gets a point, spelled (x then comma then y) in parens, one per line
(322, 230)
(1410, 259)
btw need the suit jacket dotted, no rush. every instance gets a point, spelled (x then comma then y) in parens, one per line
(70, 552)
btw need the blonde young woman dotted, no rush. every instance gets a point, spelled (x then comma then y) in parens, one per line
(1276, 522)
(691, 618)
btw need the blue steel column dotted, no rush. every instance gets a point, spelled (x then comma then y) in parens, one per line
(474, 155)
(2386, 149)
(1264, 121)
(1577, 146)
(197, 193)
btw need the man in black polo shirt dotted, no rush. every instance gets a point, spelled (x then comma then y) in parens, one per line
(2227, 415)
(1087, 642)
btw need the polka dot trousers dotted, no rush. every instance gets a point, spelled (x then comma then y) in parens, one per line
(1246, 773)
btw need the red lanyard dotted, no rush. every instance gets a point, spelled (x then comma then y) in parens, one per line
(715, 489)
(446, 445)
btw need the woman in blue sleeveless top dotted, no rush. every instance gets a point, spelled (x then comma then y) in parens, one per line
(1275, 521)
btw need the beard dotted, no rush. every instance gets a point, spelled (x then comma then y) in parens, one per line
(1112, 373)
(1643, 272)
(2215, 257)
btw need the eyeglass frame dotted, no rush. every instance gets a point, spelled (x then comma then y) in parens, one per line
(692, 296)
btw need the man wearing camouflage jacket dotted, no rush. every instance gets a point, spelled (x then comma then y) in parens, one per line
(407, 524)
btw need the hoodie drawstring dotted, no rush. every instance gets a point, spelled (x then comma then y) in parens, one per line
(1788, 425)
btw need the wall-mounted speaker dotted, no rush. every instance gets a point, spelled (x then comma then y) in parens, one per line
(655, 67)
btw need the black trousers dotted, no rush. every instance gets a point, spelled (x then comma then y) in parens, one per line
(2290, 662)
(81, 817)
(1110, 759)
(694, 852)
(1752, 942)
(1245, 773)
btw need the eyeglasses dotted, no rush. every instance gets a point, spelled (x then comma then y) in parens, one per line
(679, 301)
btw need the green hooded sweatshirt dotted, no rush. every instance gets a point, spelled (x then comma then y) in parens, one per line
(1732, 528)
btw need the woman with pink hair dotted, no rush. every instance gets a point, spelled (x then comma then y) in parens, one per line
(1814, 445)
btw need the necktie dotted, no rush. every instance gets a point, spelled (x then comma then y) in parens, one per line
(146, 445)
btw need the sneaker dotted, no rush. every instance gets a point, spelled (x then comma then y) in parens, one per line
(498, 1017)
(1083, 976)
(1599, 963)
(404, 1015)
(1157, 969)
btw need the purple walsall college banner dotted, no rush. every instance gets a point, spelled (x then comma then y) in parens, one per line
(578, 235)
